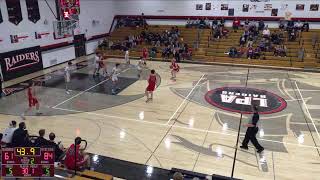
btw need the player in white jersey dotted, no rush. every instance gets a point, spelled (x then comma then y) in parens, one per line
(114, 78)
(97, 59)
(67, 76)
(126, 56)
(139, 67)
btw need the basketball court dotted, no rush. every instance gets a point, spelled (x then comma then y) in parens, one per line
(192, 123)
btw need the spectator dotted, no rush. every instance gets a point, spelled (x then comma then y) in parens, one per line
(257, 53)
(292, 35)
(301, 54)
(250, 53)
(298, 25)
(41, 141)
(242, 41)
(177, 176)
(236, 24)
(188, 25)
(282, 25)
(222, 21)
(20, 136)
(250, 41)
(8, 132)
(266, 33)
(82, 160)
(305, 26)
(58, 148)
(246, 23)
(233, 52)
(261, 25)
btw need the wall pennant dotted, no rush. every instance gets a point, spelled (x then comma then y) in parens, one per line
(14, 11)
(33, 10)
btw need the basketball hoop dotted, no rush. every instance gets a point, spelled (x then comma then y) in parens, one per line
(65, 28)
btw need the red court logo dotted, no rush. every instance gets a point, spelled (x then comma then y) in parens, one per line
(240, 99)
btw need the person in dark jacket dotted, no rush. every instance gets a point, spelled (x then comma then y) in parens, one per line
(20, 136)
(41, 141)
(252, 131)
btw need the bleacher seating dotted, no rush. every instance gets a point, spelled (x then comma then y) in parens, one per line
(214, 50)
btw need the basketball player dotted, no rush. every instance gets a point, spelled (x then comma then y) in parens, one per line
(174, 69)
(151, 85)
(145, 55)
(96, 64)
(252, 131)
(126, 56)
(114, 78)
(103, 67)
(67, 77)
(32, 99)
(139, 67)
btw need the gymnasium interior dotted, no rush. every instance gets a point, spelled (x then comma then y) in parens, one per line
(160, 89)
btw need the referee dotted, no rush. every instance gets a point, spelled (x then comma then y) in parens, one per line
(252, 131)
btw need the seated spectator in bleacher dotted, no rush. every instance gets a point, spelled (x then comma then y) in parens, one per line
(275, 38)
(233, 52)
(282, 25)
(292, 35)
(314, 39)
(58, 148)
(257, 53)
(20, 137)
(305, 26)
(153, 53)
(246, 34)
(224, 32)
(214, 23)
(242, 41)
(280, 50)
(8, 133)
(242, 51)
(82, 161)
(290, 25)
(298, 25)
(268, 45)
(250, 41)
(261, 25)
(188, 25)
(41, 141)
(262, 45)
(236, 24)
(250, 53)
(246, 23)
(222, 21)
(266, 32)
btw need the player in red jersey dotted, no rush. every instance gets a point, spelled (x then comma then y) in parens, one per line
(174, 69)
(32, 99)
(151, 85)
(82, 160)
(145, 55)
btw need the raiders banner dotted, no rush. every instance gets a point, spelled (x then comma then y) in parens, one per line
(20, 62)
(33, 10)
(14, 11)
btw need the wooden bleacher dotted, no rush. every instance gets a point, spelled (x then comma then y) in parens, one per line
(215, 50)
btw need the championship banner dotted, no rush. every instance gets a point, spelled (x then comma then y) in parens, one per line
(21, 62)
(33, 10)
(14, 11)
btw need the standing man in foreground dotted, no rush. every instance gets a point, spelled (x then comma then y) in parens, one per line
(252, 131)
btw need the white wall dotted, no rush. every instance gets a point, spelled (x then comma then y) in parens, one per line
(188, 7)
(98, 10)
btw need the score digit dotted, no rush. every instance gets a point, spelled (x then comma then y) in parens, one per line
(25, 171)
(9, 171)
(48, 156)
(7, 157)
(33, 151)
(32, 161)
(46, 171)
(21, 151)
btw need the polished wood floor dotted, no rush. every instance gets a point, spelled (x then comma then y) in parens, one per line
(179, 129)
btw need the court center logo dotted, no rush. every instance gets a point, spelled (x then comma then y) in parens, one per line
(240, 99)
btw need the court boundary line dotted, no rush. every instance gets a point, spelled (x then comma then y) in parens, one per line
(181, 127)
(82, 92)
(307, 110)
(185, 99)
